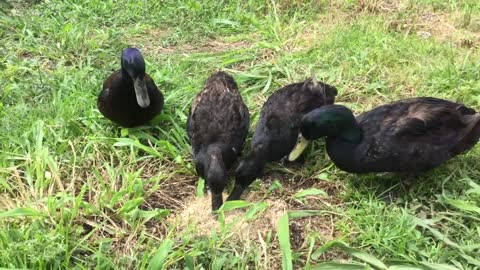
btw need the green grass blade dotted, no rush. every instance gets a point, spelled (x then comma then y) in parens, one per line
(435, 232)
(21, 212)
(338, 266)
(461, 204)
(471, 260)
(437, 266)
(370, 259)
(407, 267)
(231, 205)
(160, 256)
(283, 231)
(475, 188)
(201, 188)
(255, 209)
(310, 192)
(122, 142)
(305, 213)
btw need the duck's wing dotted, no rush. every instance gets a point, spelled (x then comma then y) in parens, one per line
(236, 125)
(435, 120)
(416, 134)
(191, 112)
(107, 97)
(431, 121)
(111, 83)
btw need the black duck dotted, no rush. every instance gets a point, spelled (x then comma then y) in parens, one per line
(408, 136)
(277, 129)
(217, 127)
(129, 96)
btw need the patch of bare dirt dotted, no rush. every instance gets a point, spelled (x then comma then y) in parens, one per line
(151, 43)
(380, 6)
(17, 7)
(172, 193)
(198, 214)
(444, 27)
(291, 184)
(197, 218)
(406, 17)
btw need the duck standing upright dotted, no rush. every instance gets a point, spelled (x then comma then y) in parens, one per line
(408, 136)
(129, 96)
(217, 127)
(277, 129)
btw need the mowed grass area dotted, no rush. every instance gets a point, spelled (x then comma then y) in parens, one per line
(78, 192)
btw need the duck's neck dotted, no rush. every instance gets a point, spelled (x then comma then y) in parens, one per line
(352, 134)
(342, 148)
(127, 80)
(126, 76)
(215, 160)
(214, 153)
(216, 173)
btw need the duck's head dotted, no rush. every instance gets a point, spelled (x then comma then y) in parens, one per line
(329, 120)
(326, 121)
(328, 92)
(134, 66)
(215, 173)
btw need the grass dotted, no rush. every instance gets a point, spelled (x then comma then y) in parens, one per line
(79, 192)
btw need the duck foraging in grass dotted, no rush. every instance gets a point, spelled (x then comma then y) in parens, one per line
(217, 127)
(408, 136)
(129, 96)
(277, 129)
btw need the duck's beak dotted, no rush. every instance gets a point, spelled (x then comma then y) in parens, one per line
(141, 92)
(302, 143)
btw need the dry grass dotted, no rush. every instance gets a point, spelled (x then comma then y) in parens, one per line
(442, 26)
(150, 42)
(255, 232)
(313, 34)
(381, 6)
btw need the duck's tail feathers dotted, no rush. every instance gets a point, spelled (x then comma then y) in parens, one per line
(471, 133)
